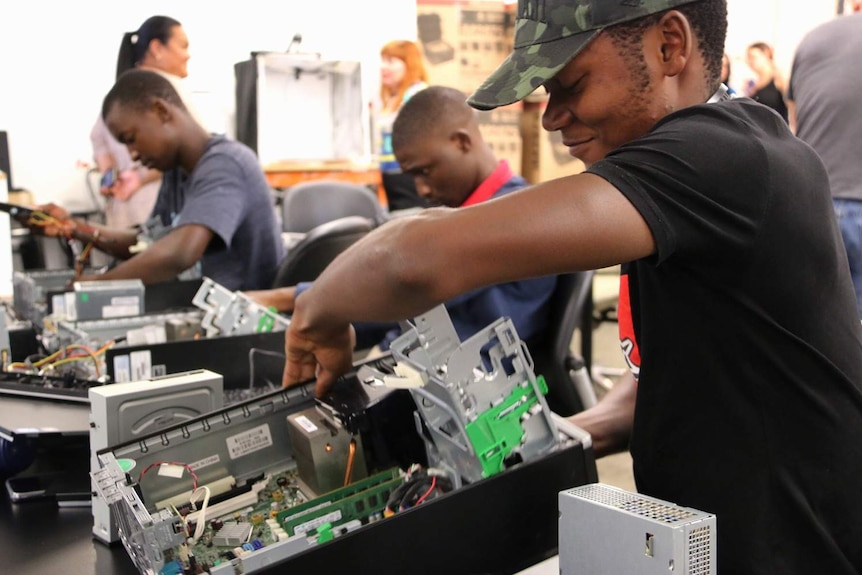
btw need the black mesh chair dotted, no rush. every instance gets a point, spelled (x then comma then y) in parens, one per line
(309, 204)
(569, 383)
(310, 256)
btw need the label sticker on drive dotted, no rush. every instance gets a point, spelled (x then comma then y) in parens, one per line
(112, 311)
(249, 441)
(122, 369)
(142, 364)
(306, 424)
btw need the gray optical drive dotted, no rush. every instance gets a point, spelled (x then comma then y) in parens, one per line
(605, 530)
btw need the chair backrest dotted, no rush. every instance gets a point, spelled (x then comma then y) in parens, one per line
(309, 204)
(552, 356)
(310, 256)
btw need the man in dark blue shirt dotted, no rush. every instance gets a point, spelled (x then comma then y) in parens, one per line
(436, 139)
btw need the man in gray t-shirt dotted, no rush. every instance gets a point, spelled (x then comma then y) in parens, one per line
(214, 196)
(228, 194)
(825, 97)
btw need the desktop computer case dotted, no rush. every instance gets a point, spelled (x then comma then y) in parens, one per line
(501, 524)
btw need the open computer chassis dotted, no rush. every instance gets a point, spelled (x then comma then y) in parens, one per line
(478, 418)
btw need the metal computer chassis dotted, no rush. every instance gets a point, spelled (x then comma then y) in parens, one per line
(496, 525)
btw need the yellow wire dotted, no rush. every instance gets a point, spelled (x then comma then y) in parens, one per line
(91, 354)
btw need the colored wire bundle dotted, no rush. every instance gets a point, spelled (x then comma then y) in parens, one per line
(63, 357)
(420, 485)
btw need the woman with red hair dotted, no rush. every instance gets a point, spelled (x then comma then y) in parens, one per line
(402, 74)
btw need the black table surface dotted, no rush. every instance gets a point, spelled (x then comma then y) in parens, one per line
(38, 537)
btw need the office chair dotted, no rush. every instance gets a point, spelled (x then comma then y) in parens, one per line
(567, 375)
(310, 204)
(310, 256)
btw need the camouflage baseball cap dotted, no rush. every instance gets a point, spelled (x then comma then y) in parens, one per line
(548, 34)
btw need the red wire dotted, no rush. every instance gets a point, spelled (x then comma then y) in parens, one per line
(430, 489)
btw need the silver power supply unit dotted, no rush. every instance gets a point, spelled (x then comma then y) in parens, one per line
(605, 530)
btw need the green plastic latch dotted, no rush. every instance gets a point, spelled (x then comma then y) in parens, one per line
(498, 431)
(324, 533)
(266, 322)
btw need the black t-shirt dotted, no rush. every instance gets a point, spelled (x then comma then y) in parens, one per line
(744, 326)
(771, 96)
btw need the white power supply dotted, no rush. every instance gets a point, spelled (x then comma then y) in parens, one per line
(605, 530)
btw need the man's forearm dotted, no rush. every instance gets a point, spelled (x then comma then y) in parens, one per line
(111, 241)
(609, 422)
(151, 266)
(166, 258)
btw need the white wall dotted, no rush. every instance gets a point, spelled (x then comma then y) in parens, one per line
(780, 23)
(57, 60)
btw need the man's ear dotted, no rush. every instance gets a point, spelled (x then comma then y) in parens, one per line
(462, 139)
(676, 42)
(162, 109)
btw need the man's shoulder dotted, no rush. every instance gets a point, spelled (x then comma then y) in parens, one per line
(221, 144)
(732, 119)
(826, 32)
(222, 153)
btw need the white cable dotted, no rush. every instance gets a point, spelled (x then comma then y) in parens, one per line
(201, 516)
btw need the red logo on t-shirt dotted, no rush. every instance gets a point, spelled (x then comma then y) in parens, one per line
(628, 341)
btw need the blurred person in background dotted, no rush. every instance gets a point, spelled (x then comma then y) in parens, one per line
(402, 74)
(768, 86)
(825, 101)
(159, 44)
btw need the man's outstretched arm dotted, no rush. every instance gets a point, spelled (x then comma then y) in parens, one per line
(408, 266)
(165, 259)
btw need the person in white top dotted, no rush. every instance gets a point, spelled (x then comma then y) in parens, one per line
(159, 44)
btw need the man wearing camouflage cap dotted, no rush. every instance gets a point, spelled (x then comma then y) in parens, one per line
(737, 311)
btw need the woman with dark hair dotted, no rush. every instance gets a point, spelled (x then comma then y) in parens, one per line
(159, 44)
(402, 74)
(768, 86)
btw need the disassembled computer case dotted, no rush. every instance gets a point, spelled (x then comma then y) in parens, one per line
(229, 312)
(32, 289)
(607, 530)
(480, 401)
(249, 487)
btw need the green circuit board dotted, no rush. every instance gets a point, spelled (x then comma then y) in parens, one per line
(244, 530)
(228, 536)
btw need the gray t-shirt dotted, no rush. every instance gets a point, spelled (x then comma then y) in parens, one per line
(227, 193)
(826, 87)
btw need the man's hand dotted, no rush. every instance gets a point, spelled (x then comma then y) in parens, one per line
(327, 357)
(128, 182)
(282, 299)
(58, 223)
(610, 421)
